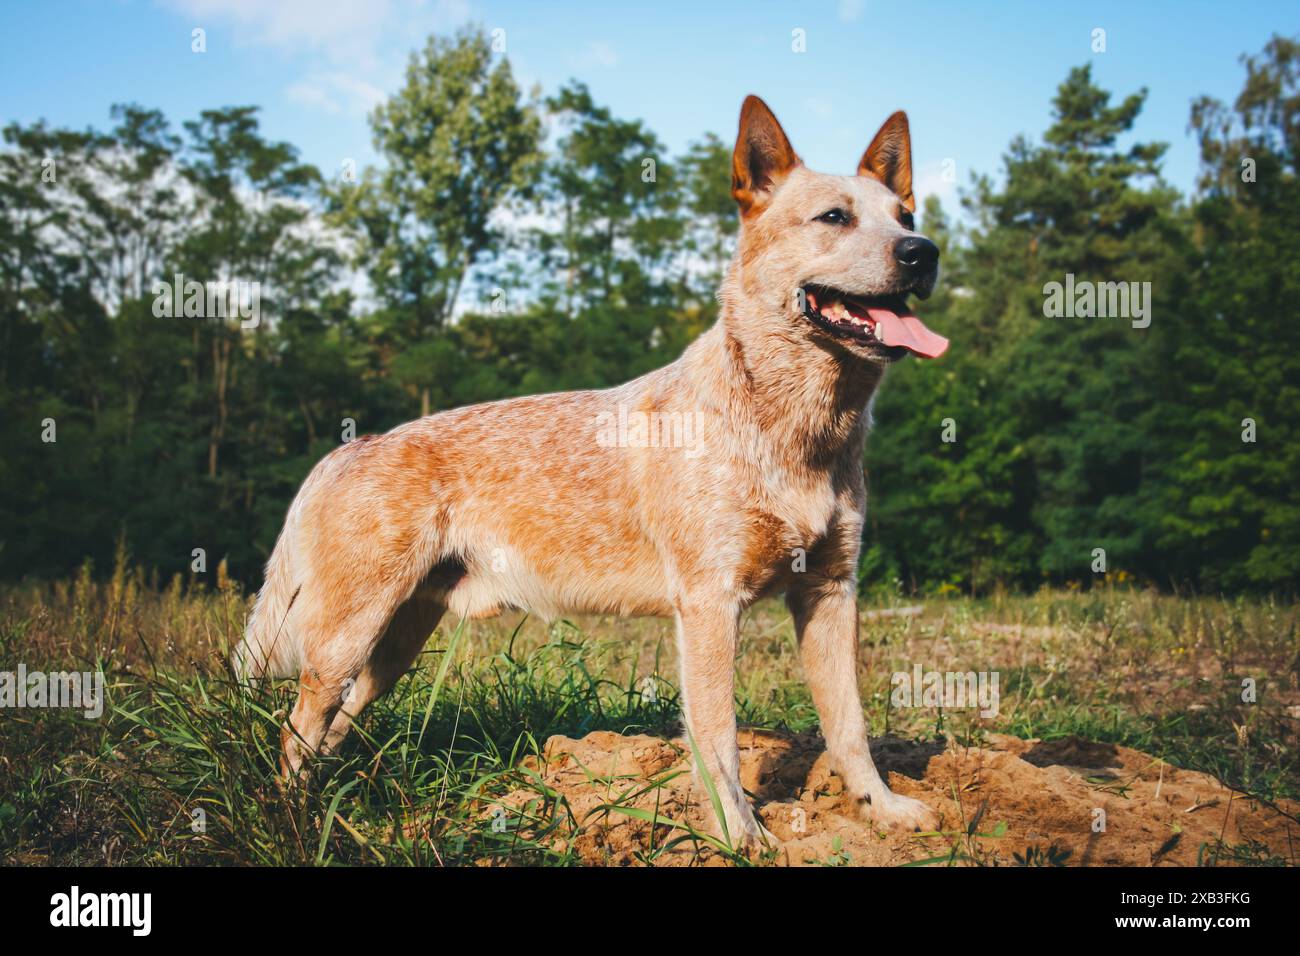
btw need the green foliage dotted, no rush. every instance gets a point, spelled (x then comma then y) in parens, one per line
(1074, 433)
(458, 142)
(505, 255)
(1232, 508)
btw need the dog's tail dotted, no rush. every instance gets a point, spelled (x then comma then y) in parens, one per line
(272, 645)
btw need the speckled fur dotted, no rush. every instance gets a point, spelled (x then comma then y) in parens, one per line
(521, 504)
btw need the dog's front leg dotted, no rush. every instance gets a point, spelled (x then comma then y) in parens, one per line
(706, 645)
(826, 624)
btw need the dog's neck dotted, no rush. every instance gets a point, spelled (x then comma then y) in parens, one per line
(808, 400)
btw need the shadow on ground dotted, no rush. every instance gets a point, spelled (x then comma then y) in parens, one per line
(1069, 801)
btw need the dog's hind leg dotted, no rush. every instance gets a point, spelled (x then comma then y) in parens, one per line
(826, 624)
(344, 619)
(303, 732)
(401, 644)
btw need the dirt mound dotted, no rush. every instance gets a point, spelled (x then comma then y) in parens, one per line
(1064, 801)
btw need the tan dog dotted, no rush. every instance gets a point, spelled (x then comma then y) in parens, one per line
(691, 492)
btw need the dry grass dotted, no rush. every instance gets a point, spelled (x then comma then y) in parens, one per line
(1157, 672)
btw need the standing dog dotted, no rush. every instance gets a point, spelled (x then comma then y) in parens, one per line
(541, 503)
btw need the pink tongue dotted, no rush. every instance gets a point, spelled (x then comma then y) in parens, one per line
(907, 331)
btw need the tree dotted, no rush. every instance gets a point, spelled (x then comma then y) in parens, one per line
(1035, 440)
(1231, 507)
(247, 213)
(458, 141)
(611, 192)
(713, 223)
(1052, 415)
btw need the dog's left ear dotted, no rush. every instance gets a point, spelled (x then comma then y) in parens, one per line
(889, 159)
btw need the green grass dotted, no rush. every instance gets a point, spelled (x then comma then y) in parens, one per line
(423, 776)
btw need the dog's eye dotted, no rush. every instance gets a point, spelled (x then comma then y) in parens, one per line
(836, 217)
(908, 221)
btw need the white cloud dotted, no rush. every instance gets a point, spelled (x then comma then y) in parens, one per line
(341, 30)
(350, 50)
(335, 92)
(819, 107)
(934, 179)
(850, 10)
(597, 54)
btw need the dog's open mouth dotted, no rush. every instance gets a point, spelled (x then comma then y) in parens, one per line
(883, 321)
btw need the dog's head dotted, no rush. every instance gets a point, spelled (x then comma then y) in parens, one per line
(834, 257)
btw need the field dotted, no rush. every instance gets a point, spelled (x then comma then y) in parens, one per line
(1127, 696)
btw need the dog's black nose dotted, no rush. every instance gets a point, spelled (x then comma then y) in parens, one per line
(916, 254)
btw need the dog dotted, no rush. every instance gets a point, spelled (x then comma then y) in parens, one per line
(537, 503)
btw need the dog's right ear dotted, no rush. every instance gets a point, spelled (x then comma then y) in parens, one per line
(763, 157)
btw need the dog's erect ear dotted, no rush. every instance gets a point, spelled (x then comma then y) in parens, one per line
(889, 159)
(763, 156)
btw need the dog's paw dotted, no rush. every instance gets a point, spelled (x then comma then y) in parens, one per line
(746, 834)
(754, 840)
(893, 811)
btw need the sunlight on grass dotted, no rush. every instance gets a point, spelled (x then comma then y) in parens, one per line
(182, 766)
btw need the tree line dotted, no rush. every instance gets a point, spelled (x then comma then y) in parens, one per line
(511, 243)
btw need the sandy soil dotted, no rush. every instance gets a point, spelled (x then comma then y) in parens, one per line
(1025, 796)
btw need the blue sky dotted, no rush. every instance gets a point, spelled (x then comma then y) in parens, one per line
(971, 75)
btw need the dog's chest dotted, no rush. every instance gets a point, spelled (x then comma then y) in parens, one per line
(780, 533)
